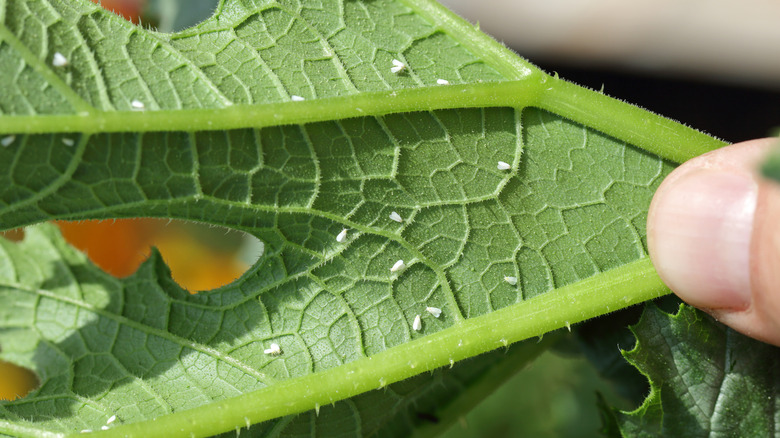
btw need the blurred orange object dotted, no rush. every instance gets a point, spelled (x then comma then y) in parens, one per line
(15, 382)
(120, 246)
(117, 246)
(195, 266)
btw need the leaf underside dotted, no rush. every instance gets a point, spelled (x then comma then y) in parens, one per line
(706, 379)
(571, 208)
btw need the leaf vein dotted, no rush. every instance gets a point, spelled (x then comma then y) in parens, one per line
(207, 350)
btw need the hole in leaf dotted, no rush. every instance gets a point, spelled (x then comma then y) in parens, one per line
(15, 381)
(201, 257)
(129, 9)
(14, 235)
(162, 16)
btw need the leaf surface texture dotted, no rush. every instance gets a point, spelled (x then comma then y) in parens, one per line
(204, 125)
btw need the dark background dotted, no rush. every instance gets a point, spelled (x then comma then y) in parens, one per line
(732, 113)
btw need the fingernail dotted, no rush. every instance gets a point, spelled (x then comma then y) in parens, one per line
(700, 228)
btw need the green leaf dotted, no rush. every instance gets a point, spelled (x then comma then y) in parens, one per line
(609, 421)
(554, 397)
(601, 340)
(705, 378)
(771, 166)
(422, 402)
(201, 125)
(425, 402)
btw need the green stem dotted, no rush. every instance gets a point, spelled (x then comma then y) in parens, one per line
(651, 132)
(611, 290)
(626, 122)
(507, 94)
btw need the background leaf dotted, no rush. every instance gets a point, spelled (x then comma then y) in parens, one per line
(602, 340)
(771, 166)
(706, 379)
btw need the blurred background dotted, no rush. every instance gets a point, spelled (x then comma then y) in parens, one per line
(712, 64)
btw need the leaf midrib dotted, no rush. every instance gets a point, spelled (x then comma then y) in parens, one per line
(659, 135)
(378, 103)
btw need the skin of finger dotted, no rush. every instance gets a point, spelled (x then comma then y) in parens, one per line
(761, 317)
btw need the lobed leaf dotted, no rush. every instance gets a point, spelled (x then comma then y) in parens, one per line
(706, 379)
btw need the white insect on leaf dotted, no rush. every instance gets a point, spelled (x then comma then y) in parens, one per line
(503, 165)
(435, 311)
(59, 60)
(275, 350)
(417, 324)
(511, 280)
(342, 236)
(396, 217)
(442, 82)
(137, 104)
(398, 67)
(296, 98)
(7, 140)
(104, 428)
(111, 419)
(68, 141)
(399, 265)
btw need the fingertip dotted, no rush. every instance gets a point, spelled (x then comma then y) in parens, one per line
(699, 232)
(714, 238)
(762, 319)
